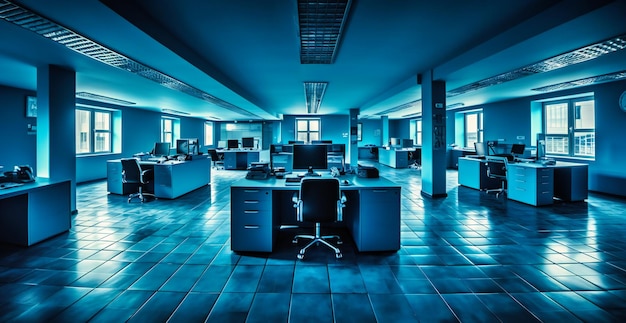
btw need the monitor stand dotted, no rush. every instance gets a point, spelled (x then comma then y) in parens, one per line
(311, 173)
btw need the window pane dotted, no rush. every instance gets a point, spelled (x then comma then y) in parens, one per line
(556, 118)
(208, 133)
(83, 143)
(584, 115)
(585, 144)
(102, 142)
(314, 125)
(302, 125)
(167, 125)
(314, 136)
(102, 121)
(557, 145)
(471, 129)
(302, 136)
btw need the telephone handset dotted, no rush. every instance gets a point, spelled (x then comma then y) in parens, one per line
(21, 174)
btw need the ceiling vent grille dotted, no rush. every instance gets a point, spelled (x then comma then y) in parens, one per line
(580, 82)
(29, 20)
(102, 98)
(321, 24)
(313, 94)
(567, 59)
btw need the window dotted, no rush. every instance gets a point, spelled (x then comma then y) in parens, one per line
(570, 127)
(93, 131)
(473, 128)
(170, 130)
(415, 128)
(208, 133)
(308, 130)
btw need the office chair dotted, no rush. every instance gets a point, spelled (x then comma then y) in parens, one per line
(216, 159)
(496, 168)
(320, 201)
(415, 158)
(133, 174)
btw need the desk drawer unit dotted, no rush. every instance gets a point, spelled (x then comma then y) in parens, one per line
(251, 220)
(379, 220)
(530, 185)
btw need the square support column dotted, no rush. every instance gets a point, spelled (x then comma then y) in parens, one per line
(434, 136)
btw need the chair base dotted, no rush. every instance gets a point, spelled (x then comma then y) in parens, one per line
(317, 239)
(140, 195)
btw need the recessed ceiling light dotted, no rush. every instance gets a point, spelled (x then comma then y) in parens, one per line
(313, 95)
(321, 24)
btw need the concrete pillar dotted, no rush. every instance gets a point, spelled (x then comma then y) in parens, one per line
(56, 125)
(433, 136)
(353, 156)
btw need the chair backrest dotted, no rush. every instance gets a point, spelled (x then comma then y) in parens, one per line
(319, 198)
(213, 154)
(497, 166)
(131, 170)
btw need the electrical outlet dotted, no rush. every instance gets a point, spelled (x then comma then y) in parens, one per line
(521, 137)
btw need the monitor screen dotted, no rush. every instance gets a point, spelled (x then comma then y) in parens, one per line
(407, 143)
(518, 149)
(182, 147)
(394, 142)
(233, 143)
(305, 156)
(221, 144)
(481, 148)
(161, 149)
(194, 146)
(247, 142)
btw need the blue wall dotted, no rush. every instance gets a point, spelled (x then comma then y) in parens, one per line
(509, 119)
(140, 130)
(371, 132)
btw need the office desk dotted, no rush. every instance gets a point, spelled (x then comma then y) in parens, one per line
(259, 207)
(473, 174)
(396, 158)
(171, 178)
(537, 184)
(35, 211)
(239, 158)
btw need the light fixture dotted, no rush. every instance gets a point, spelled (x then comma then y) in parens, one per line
(455, 105)
(313, 95)
(567, 59)
(585, 81)
(172, 111)
(321, 24)
(27, 19)
(417, 104)
(102, 98)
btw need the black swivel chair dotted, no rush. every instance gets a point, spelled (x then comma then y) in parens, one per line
(216, 159)
(133, 174)
(497, 168)
(320, 201)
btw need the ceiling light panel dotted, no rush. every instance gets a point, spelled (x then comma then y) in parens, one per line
(567, 59)
(102, 98)
(313, 94)
(580, 82)
(29, 20)
(321, 24)
(417, 104)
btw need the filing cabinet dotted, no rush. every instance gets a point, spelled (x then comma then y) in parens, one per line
(251, 220)
(530, 185)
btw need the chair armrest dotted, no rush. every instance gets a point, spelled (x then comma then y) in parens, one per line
(123, 176)
(295, 200)
(146, 173)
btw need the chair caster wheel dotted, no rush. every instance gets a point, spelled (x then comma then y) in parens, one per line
(294, 241)
(300, 256)
(339, 242)
(338, 255)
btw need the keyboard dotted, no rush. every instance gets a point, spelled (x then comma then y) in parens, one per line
(9, 185)
(293, 180)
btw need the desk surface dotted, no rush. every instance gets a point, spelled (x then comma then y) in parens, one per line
(21, 189)
(355, 183)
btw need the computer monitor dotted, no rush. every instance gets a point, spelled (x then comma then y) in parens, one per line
(481, 148)
(194, 146)
(161, 149)
(221, 144)
(299, 142)
(182, 147)
(407, 143)
(394, 142)
(233, 144)
(309, 157)
(247, 142)
(518, 149)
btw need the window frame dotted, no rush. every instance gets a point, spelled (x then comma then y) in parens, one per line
(209, 133)
(570, 137)
(479, 128)
(92, 133)
(308, 132)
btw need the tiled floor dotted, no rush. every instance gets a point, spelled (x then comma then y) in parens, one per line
(468, 257)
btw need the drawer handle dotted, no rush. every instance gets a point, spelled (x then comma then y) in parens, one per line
(251, 191)
(248, 226)
(250, 202)
(379, 191)
(251, 211)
